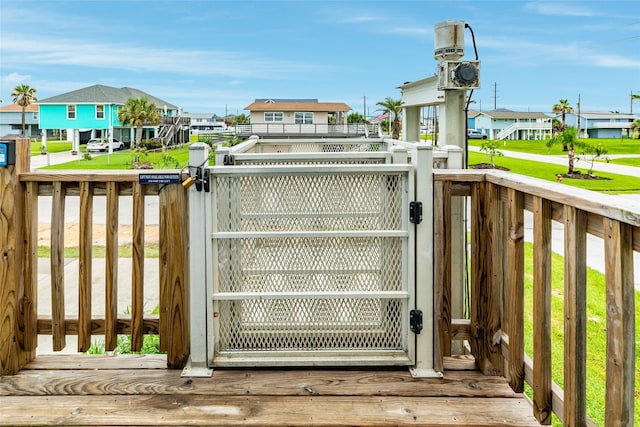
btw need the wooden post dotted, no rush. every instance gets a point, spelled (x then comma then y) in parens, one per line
(137, 271)
(13, 355)
(620, 324)
(442, 272)
(515, 282)
(485, 298)
(542, 382)
(174, 266)
(111, 268)
(575, 325)
(85, 264)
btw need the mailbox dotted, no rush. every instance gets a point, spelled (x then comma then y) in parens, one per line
(7, 153)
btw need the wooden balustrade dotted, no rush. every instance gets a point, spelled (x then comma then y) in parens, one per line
(20, 287)
(495, 329)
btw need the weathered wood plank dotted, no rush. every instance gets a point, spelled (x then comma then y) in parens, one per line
(9, 285)
(542, 380)
(515, 308)
(30, 268)
(84, 265)
(265, 411)
(485, 299)
(174, 265)
(619, 406)
(253, 383)
(442, 272)
(132, 362)
(111, 267)
(57, 266)
(137, 270)
(150, 325)
(575, 337)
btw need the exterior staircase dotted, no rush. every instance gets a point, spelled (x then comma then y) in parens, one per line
(170, 132)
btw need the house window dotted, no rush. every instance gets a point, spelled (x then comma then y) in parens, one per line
(273, 116)
(304, 118)
(99, 112)
(71, 112)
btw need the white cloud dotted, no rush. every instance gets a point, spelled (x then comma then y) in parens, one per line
(613, 61)
(20, 50)
(561, 9)
(14, 79)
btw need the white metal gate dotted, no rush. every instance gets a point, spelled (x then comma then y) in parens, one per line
(310, 261)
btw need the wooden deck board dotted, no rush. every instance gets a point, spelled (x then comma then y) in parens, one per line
(106, 390)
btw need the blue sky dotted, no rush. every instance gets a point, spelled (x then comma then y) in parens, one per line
(205, 56)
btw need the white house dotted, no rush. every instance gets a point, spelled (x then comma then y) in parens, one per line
(11, 120)
(506, 124)
(598, 124)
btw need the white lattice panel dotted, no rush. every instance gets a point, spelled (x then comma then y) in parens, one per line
(310, 263)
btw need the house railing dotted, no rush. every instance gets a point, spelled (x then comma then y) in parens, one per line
(495, 328)
(19, 267)
(525, 126)
(285, 129)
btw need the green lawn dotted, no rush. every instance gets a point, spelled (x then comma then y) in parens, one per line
(615, 184)
(52, 147)
(172, 159)
(627, 161)
(613, 145)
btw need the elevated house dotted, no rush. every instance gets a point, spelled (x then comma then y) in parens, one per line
(507, 124)
(11, 120)
(93, 112)
(302, 117)
(599, 124)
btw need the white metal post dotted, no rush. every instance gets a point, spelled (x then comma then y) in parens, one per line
(423, 164)
(197, 366)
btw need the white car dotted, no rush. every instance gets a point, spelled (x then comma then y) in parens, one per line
(102, 144)
(475, 134)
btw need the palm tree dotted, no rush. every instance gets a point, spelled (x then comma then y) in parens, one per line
(634, 96)
(563, 107)
(24, 95)
(139, 112)
(394, 107)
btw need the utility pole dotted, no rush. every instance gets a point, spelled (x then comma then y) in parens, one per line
(578, 115)
(495, 96)
(364, 109)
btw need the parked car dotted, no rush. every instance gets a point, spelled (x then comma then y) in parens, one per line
(102, 144)
(475, 134)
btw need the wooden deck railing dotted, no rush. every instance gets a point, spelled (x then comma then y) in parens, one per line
(495, 329)
(20, 322)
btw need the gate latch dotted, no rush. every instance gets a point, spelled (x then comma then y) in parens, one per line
(415, 212)
(415, 321)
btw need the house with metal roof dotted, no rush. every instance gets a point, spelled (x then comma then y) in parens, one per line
(93, 112)
(599, 124)
(11, 120)
(278, 117)
(507, 124)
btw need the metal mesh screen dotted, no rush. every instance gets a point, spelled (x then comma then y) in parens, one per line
(310, 262)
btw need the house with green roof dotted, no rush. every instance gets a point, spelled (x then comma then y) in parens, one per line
(92, 112)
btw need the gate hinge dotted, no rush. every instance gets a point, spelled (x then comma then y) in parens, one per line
(228, 160)
(202, 179)
(415, 321)
(415, 212)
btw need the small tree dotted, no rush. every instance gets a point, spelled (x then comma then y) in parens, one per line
(563, 107)
(635, 126)
(490, 147)
(568, 138)
(593, 152)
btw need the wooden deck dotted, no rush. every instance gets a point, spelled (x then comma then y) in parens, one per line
(138, 390)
